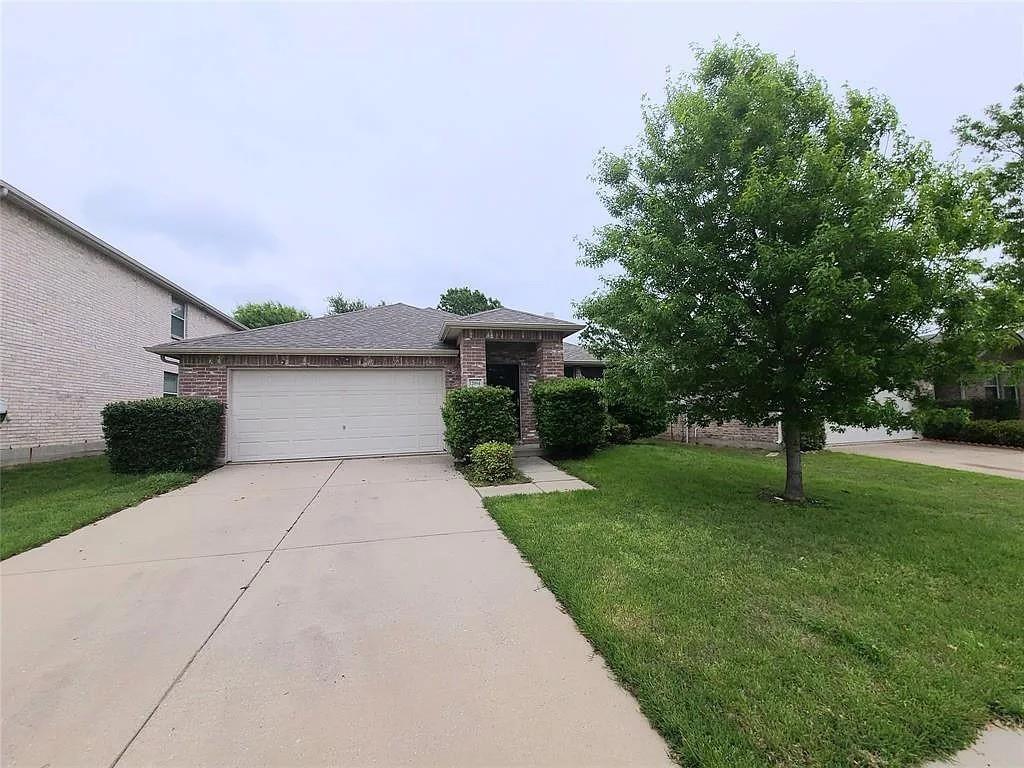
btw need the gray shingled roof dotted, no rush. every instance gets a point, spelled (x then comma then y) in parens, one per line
(394, 326)
(503, 315)
(576, 355)
(397, 327)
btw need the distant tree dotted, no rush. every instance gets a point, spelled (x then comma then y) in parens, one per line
(259, 314)
(466, 301)
(999, 141)
(338, 304)
(780, 253)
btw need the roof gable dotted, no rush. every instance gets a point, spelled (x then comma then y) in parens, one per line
(503, 317)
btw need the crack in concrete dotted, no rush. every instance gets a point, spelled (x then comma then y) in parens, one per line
(388, 538)
(241, 592)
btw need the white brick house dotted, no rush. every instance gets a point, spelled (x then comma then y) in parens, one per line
(75, 316)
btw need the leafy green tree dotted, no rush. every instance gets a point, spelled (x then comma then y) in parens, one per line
(779, 253)
(338, 304)
(998, 139)
(258, 314)
(638, 397)
(466, 301)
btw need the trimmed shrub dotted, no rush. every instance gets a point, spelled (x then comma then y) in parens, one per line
(618, 432)
(637, 402)
(813, 438)
(993, 432)
(942, 424)
(475, 415)
(163, 434)
(492, 462)
(571, 415)
(985, 408)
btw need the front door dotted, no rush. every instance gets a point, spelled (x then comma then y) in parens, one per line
(506, 375)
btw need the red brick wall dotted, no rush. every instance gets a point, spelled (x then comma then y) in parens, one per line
(472, 358)
(724, 433)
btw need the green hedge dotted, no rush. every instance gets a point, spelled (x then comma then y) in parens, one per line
(163, 434)
(994, 432)
(942, 423)
(985, 408)
(571, 415)
(640, 405)
(475, 415)
(492, 462)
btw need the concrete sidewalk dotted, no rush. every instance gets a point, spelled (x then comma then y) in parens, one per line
(302, 614)
(544, 477)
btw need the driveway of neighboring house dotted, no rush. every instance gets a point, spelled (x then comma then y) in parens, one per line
(358, 612)
(1007, 462)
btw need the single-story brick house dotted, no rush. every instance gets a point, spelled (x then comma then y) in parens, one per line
(370, 382)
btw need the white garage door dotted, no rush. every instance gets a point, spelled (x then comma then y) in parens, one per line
(319, 413)
(860, 435)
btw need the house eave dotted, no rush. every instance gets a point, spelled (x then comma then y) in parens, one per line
(19, 198)
(173, 351)
(450, 330)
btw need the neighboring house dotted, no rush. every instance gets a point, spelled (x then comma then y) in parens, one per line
(76, 316)
(998, 387)
(370, 382)
(737, 434)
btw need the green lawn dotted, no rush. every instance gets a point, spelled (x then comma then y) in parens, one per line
(39, 502)
(881, 626)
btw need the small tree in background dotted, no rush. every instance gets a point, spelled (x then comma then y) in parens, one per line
(466, 301)
(781, 253)
(998, 139)
(259, 314)
(338, 304)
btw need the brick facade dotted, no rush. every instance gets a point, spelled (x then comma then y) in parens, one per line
(724, 433)
(73, 324)
(971, 390)
(539, 355)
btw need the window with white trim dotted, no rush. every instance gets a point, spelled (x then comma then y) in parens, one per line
(992, 388)
(997, 388)
(178, 308)
(170, 384)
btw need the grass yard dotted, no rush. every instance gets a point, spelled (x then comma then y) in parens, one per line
(881, 626)
(39, 502)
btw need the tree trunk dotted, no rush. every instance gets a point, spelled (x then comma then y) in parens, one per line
(794, 461)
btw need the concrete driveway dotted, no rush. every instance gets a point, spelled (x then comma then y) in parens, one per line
(363, 612)
(972, 458)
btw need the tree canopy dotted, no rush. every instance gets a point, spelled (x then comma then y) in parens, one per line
(781, 253)
(258, 314)
(338, 304)
(998, 139)
(466, 301)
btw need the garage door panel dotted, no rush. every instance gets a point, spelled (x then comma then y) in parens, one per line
(315, 413)
(836, 435)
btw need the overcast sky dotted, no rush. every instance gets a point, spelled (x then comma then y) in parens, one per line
(391, 151)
